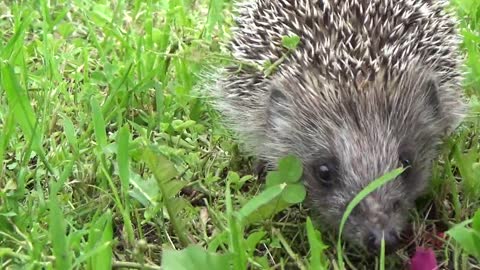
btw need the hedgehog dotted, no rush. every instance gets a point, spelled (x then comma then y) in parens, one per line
(371, 86)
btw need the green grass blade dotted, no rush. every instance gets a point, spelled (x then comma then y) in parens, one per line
(19, 105)
(7, 51)
(103, 259)
(69, 131)
(356, 200)
(57, 230)
(99, 247)
(98, 125)
(123, 139)
(382, 253)
(5, 135)
(214, 17)
(235, 233)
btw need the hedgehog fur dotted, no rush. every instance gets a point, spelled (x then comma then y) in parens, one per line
(371, 86)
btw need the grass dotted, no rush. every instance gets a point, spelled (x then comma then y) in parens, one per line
(109, 159)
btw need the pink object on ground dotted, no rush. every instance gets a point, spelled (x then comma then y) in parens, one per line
(423, 259)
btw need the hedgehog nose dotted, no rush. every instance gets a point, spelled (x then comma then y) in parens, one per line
(374, 241)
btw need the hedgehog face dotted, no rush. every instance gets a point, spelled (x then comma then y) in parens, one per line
(349, 138)
(333, 180)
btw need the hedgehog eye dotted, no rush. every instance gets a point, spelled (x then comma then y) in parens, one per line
(396, 205)
(323, 173)
(405, 162)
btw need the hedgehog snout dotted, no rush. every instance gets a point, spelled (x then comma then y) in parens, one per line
(380, 222)
(373, 240)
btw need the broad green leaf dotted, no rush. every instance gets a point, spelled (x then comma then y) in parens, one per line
(290, 42)
(145, 191)
(194, 257)
(252, 241)
(290, 169)
(294, 193)
(217, 240)
(162, 168)
(164, 171)
(233, 177)
(317, 247)
(274, 178)
(179, 204)
(173, 187)
(267, 211)
(467, 238)
(265, 197)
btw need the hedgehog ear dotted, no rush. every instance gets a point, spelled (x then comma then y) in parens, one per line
(430, 88)
(278, 108)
